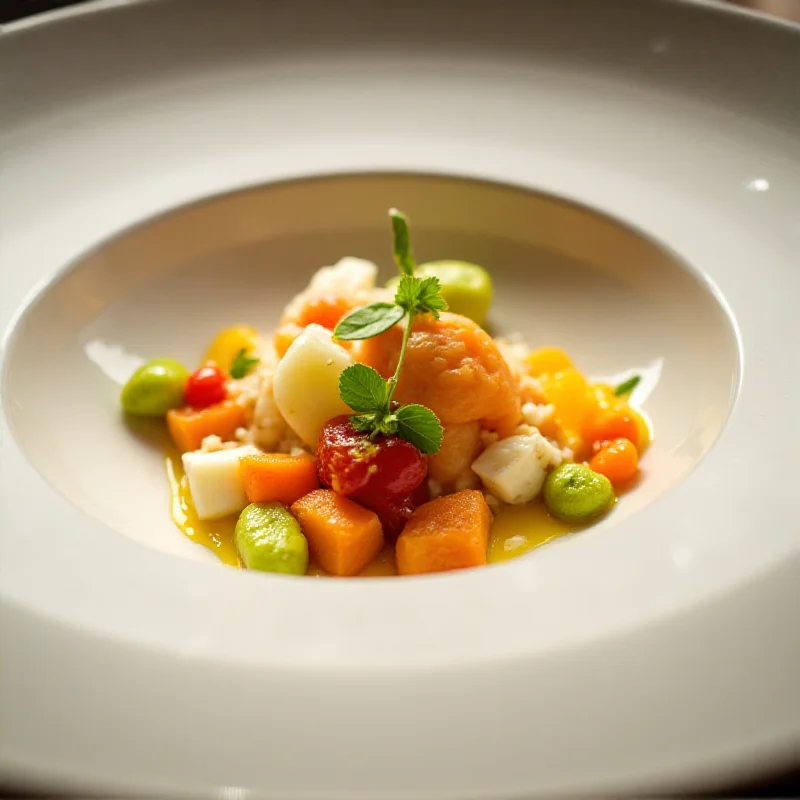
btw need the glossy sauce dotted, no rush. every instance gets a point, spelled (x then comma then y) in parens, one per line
(516, 529)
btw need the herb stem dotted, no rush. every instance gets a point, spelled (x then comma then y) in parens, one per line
(392, 382)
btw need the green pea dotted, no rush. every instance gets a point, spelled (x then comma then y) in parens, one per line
(575, 493)
(268, 539)
(155, 388)
(466, 287)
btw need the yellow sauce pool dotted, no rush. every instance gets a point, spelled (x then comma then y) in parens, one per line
(216, 535)
(516, 529)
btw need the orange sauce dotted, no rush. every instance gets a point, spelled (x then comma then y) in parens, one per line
(516, 529)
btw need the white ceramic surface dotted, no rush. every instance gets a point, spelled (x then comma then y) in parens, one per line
(656, 651)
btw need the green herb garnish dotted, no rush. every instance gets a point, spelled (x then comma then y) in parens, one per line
(626, 387)
(361, 387)
(241, 364)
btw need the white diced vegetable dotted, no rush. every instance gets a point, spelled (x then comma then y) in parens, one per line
(214, 480)
(514, 468)
(306, 382)
(346, 277)
(353, 278)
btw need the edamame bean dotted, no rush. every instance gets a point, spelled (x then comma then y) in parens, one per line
(574, 493)
(155, 388)
(269, 539)
(466, 287)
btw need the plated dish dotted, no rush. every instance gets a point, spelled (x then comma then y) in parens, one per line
(634, 164)
(382, 430)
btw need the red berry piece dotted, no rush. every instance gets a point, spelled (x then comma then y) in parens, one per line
(344, 456)
(386, 475)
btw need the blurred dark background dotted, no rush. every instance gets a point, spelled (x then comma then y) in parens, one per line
(16, 9)
(784, 784)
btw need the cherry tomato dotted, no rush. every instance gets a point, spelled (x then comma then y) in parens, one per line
(386, 474)
(205, 387)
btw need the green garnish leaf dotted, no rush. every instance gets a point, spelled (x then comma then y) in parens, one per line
(429, 298)
(363, 389)
(402, 242)
(407, 293)
(368, 321)
(420, 296)
(420, 426)
(626, 387)
(242, 364)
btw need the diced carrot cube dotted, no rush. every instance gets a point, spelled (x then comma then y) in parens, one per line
(189, 426)
(325, 311)
(270, 477)
(451, 532)
(343, 536)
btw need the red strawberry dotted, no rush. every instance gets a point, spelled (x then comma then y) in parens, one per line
(386, 474)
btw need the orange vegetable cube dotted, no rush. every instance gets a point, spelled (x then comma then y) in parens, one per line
(451, 532)
(643, 428)
(568, 391)
(325, 311)
(602, 396)
(270, 477)
(189, 426)
(343, 536)
(616, 422)
(284, 336)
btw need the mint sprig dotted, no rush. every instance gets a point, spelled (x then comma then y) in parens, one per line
(362, 388)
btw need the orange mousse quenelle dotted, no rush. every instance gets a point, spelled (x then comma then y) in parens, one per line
(382, 430)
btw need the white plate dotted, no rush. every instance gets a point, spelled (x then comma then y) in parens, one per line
(658, 651)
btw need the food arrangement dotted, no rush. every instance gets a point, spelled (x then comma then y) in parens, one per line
(383, 430)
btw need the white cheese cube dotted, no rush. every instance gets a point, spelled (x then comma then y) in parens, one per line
(514, 469)
(306, 382)
(214, 480)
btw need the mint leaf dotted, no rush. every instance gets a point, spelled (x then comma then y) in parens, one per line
(407, 294)
(368, 321)
(241, 364)
(626, 387)
(429, 297)
(417, 295)
(402, 242)
(363, 389)
(420, 426)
